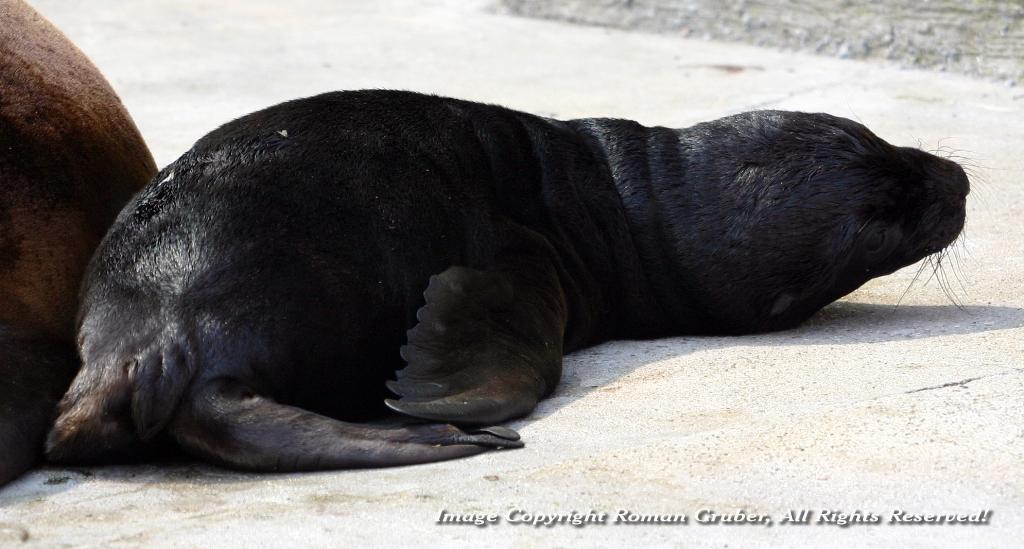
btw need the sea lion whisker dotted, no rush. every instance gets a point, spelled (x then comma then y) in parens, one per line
(863, 225)
(955, 155)
(943, 279)
(948, 148)
(958, 155)
(959, 272)
(924, 263)
(966, 162)
(962, 241)
(939, 273)
(932, 263)
(973, 172)
(936, 261)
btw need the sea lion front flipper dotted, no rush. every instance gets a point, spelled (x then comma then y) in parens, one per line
(487, 347)
(225, 422)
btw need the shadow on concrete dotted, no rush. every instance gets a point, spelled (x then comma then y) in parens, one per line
(873, 323)
(841, 323)
(178, 470)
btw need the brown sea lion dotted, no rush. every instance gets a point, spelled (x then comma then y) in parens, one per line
(254, 300)
(70, 157)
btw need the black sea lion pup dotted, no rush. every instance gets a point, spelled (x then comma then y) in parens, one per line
(252, 301)
(70, 157)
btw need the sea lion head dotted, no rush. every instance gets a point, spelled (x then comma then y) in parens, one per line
(795, 210)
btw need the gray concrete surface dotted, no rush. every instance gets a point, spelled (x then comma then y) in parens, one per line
(978, 37)
(868, 407)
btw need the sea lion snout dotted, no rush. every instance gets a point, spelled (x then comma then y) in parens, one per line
(953, 178)
(943, 187)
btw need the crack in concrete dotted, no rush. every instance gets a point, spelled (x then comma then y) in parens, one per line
(962, 383)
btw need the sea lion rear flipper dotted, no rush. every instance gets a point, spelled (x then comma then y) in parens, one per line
(487, 347)
(225, 422)
(158, 379)
(123, 397)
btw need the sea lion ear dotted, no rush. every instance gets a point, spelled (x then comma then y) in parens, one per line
(782, 303)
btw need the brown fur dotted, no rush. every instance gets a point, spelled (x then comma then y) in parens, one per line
(70, 157)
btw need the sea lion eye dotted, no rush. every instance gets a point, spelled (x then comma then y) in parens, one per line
(875, 240)
(879, 240)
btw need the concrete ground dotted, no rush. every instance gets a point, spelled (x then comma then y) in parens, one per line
(868, 407)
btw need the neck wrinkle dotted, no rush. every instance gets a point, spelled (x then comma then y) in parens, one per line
(639, 160)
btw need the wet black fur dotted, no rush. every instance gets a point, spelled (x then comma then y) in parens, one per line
(290, 249)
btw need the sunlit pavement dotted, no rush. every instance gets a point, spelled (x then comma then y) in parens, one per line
(868, 408)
